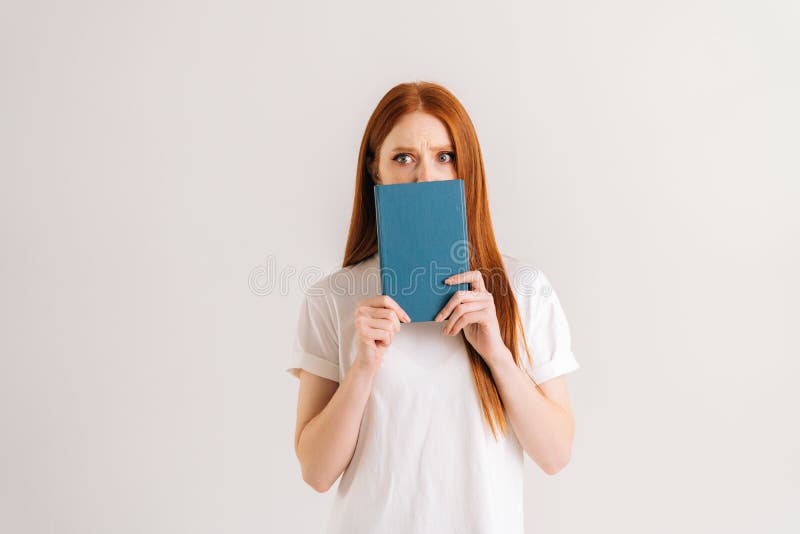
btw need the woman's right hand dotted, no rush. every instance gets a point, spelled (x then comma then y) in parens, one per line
(376, 321)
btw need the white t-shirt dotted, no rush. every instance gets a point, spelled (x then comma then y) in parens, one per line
(425, 460)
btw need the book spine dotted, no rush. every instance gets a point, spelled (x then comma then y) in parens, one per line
(377, 190)
(464, 220)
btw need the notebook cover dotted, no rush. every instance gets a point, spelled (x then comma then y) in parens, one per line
(422, 240)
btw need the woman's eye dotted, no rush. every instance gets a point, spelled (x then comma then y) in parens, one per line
(451, 155)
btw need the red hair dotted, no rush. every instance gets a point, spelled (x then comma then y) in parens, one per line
(484, 255)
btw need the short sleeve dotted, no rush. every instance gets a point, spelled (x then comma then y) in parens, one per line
(315, 346)
(546, 330)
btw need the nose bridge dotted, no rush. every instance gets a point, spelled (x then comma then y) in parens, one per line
(424, 168)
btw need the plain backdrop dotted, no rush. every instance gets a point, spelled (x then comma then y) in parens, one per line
(171, 170)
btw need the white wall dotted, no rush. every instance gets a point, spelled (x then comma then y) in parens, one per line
(155, 155)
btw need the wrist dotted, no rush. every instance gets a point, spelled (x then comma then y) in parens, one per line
(362, 370)
(500, 359)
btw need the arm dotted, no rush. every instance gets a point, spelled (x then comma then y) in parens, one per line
(540, 416)
(328, 421)
(328, 413)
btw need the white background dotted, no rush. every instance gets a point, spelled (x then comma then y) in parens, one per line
(155, 155)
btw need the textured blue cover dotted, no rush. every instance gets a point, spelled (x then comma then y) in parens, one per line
(422, 240)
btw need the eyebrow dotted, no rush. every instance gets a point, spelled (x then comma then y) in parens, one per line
(434, 148)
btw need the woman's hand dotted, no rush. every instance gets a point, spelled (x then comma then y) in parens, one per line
(376, 321)
(473, 311)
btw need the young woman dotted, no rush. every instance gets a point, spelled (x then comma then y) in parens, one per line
(427, 422)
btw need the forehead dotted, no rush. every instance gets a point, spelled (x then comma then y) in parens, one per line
(413, 128)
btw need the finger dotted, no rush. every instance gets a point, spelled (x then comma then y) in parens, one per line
(462, 295)
(381, 337)
(370, 308)
(473, 278)
(385, 301)
(459, 311)
(385, 313)
(365, 322)
(467, 319)
(383, 324)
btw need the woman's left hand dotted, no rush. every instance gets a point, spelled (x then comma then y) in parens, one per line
(473, 311)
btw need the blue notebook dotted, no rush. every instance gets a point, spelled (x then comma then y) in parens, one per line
(422, 240)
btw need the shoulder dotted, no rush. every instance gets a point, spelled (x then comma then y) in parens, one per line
(525, 277)
(340, 283)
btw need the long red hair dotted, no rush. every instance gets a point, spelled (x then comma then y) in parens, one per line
(362, 241)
